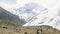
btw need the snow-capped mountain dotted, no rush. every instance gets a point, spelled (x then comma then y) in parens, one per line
(36, 14)
(30, 10)
(46, 16)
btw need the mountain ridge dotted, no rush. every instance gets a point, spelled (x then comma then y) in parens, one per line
(4, 14)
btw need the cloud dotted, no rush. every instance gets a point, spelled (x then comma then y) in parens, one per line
(22, 2)
(46, 3)
(19, 3)
(7, 3)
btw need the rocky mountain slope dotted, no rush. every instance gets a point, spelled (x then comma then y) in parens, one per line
(4, 14)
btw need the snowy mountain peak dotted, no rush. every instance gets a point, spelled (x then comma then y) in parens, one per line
(36, 14)
(31, 9)
(44, 17)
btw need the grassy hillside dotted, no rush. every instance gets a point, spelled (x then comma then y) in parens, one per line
(8, 28)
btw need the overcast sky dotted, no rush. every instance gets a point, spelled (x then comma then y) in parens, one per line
(50, 4)
(12, 3)
(8, 1)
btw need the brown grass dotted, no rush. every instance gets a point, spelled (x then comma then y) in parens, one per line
(8, 28)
